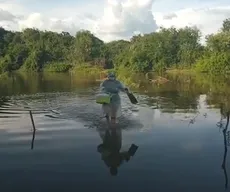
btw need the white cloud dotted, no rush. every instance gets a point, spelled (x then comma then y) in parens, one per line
(122, 19)
(169, 16)
(33, 20)
(119, 20)
(6, 16)
(42, 22)
(208, 20)
(8, 20)
(13, 7)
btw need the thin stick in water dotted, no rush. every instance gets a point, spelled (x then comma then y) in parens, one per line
(32, 141)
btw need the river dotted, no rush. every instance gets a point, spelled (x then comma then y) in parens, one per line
(175, 139)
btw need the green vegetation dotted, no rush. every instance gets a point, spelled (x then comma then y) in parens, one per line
(34, 50)
(57, 67)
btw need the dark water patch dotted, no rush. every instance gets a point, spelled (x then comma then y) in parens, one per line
(6, 112)
(8, 117)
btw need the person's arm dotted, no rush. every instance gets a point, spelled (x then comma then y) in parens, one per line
(102, 87)
(123, 88)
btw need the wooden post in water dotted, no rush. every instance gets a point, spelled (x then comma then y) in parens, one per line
(34, 129)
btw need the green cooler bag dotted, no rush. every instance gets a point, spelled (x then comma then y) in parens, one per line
(103, 98)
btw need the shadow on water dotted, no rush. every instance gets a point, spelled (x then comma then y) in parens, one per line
(110, 149)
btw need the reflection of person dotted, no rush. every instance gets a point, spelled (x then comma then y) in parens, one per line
(113, 87)
(110, 150)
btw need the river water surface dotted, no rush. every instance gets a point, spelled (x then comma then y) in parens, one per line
(175, 139)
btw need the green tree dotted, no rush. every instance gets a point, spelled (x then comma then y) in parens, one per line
(33, 49)
(226, 25)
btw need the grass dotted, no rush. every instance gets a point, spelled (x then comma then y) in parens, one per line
(3, 75)
(87, 70)
(57, 67)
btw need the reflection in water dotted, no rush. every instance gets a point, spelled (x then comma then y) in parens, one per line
(4, 105)
(193, 120)
(33, 137)
(110, 149)
(31, 83)
(3, 101)
(5, 111)
(224, 114)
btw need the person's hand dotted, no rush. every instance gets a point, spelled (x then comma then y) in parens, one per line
(126, 90)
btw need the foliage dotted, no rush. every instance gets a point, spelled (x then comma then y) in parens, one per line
(86, 69)
(216, 62)
(57, 67)
(35, 50)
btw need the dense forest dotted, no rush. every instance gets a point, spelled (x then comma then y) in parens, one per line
(35, 50)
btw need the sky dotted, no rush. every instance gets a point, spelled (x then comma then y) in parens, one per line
(113, 19)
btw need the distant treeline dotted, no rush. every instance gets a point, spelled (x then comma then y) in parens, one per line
(35, 50)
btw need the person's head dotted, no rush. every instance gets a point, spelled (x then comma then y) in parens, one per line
(111, 76)
(113, 171)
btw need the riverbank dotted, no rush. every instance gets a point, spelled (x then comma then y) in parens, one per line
(149, 81)
(180, 71)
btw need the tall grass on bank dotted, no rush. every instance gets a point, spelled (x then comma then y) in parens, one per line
(86, 72)
(57, 67)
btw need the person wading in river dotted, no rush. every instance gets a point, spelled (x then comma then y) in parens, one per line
(112, 86)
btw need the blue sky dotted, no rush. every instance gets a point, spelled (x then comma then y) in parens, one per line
(111, 19)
